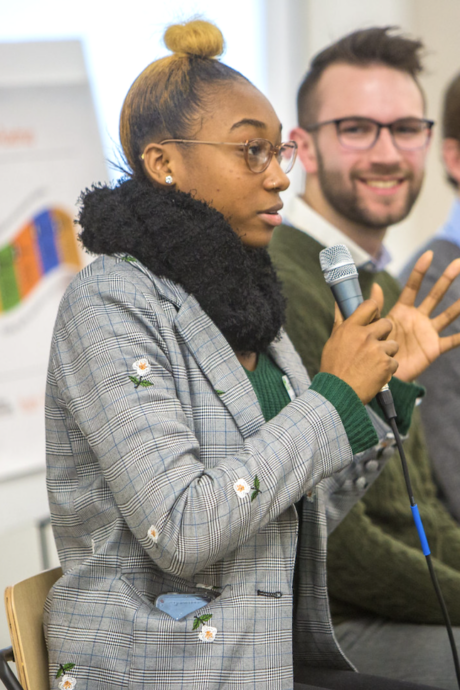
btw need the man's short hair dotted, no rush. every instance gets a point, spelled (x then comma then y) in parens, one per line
(451, 116)
(374, 46)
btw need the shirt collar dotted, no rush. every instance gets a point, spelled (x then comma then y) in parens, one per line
(304, 218)
(451, 229)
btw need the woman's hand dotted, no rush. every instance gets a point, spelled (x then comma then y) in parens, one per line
(416, 334)
(358, 351)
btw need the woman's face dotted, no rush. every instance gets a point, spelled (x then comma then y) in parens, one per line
(219, 175)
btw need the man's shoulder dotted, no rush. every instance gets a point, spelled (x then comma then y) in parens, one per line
(444, 252)
(294, 244)
(294, 254)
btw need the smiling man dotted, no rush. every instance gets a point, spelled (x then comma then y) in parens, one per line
(362, 139)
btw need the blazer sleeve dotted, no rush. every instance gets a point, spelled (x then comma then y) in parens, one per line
(185, 515)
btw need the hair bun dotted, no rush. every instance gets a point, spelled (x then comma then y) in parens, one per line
(197, 37)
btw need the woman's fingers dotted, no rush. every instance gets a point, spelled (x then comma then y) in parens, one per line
(338, 318)
(449, 342)
(449, 315)
(358, 351)
(381, 329)
(367, 312)
(391, 347)
(440, 288)
(411, 288)
(377, 295)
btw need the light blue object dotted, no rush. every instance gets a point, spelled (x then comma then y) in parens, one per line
(178, 606)
(420, 530)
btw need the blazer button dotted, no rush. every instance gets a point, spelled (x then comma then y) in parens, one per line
(361, 483)
(372, 465)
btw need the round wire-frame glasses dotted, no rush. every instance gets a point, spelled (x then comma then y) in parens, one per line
(362, 133)
(258, 153)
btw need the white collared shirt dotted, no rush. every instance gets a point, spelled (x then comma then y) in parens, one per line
(304, 218)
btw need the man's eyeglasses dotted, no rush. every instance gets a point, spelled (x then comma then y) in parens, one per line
(361, 133)
(258, 153)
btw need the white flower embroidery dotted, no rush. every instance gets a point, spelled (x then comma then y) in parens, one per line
(153, 534)
(142, 367)
(241, 487)
(67, 683)
(207, 633)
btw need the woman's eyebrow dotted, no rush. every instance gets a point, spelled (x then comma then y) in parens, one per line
(249, 121)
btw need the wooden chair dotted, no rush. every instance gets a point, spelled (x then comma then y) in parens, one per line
(24, 604)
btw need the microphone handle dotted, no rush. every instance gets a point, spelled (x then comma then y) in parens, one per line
(347, 293)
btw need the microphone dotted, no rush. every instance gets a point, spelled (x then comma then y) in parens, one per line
(341, 274)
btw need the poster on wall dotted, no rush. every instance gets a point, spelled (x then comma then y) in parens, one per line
(50, 150)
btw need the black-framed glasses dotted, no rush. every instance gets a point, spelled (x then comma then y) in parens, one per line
(258, 153)
(361, 133)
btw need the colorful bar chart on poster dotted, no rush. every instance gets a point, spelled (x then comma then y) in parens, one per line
(46, 242)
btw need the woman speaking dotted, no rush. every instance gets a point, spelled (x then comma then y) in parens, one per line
(190, 458)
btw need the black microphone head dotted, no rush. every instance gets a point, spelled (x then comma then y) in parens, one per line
(337, 264)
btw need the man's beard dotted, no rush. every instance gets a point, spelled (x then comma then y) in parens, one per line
(345, 200)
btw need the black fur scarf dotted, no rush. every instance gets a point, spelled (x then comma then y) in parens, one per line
(187, 241)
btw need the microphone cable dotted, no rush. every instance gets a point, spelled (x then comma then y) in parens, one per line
(385, 400)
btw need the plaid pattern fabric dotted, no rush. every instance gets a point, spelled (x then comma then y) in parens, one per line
(143, 477)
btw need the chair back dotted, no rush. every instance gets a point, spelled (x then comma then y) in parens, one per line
(24, 604)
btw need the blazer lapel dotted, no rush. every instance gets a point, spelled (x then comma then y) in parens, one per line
(285, 356)
(220, 365)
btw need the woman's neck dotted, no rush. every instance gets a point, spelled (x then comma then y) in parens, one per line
(247, 359)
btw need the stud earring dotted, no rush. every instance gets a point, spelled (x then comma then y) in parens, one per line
(168, 179)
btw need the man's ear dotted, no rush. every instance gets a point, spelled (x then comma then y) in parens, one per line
(306, 151)
(451, 156)
(157, 164)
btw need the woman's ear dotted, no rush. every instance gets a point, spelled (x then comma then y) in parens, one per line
(306, 151)
(157, 164)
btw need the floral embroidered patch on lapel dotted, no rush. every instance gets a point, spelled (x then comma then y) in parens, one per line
(142, 368)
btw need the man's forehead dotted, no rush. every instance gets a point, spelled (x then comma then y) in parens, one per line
(374, 91)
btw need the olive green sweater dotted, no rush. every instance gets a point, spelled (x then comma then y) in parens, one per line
(375, 563)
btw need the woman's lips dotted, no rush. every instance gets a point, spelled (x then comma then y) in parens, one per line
(271, 215)
(271, 218)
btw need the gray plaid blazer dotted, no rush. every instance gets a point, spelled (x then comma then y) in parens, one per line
(155, 438)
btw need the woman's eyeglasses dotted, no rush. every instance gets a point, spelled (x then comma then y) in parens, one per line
(258, 153)
(361, 133)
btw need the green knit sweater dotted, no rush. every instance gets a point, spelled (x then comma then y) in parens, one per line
(270, 386)
(375, 563)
